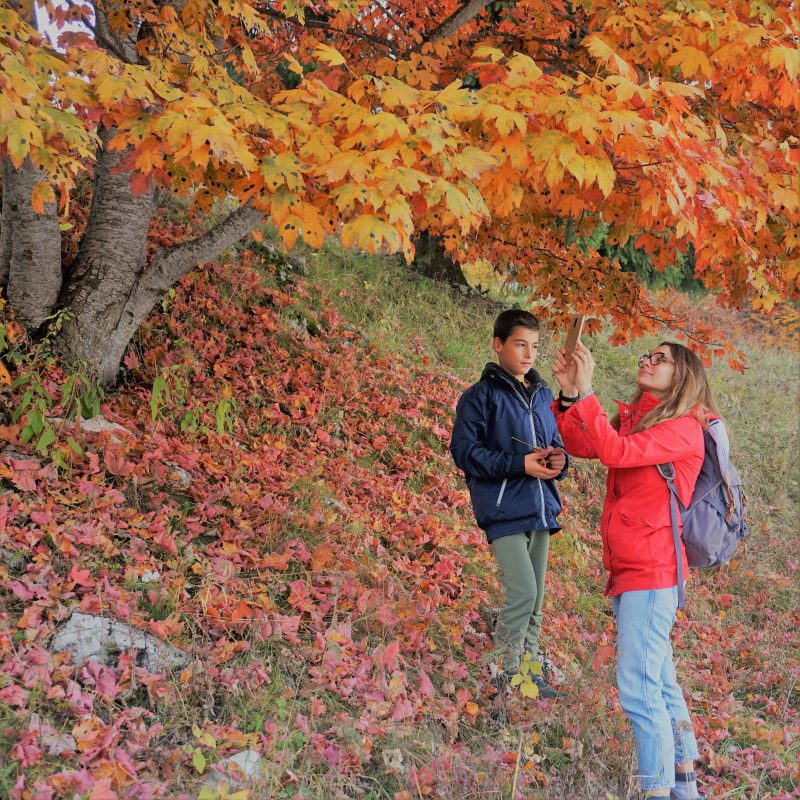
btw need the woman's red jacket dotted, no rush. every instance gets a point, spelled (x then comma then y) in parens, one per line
(638, 548)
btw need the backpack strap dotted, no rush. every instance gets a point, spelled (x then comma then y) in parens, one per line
(667, 472)
(717, 431)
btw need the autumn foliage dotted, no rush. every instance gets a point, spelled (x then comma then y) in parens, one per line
(510, 131)
(283, 507)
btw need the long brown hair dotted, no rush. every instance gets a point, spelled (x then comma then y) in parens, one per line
(688, 394)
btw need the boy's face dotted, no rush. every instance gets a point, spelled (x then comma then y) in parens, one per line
(517, 353)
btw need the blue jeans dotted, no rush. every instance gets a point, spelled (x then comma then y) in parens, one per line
(648, 688)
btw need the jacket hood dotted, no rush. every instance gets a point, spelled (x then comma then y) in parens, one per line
(494, 371)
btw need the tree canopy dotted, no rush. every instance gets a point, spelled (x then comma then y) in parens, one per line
(509, 129)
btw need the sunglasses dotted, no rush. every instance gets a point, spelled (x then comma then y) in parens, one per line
(655, 359)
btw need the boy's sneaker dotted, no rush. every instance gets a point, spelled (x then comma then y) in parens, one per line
(489, 615)
(546, 691)
(552, 674)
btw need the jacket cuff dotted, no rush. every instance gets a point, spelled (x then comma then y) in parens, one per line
(518, 464)
(587, 407)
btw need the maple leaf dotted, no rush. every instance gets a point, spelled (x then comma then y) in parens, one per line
(42, 193)
(691, 60)
(370, 233)
(328, 55)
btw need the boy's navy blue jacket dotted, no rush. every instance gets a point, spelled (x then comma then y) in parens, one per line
(506, 500)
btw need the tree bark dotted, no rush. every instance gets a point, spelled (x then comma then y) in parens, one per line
(112, 288)
(433, 261)
(457, 19)
(111, 258)
(30, 248)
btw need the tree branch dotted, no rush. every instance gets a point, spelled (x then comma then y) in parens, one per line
(359, 33)
(456, 20)
(171, 265)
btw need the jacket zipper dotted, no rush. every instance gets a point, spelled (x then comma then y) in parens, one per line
(535, 444)
(529, 406)
(502, 492)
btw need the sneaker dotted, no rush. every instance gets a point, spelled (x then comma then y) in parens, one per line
(489, 615)
(551, 672)
(546, 691)
(502, 680)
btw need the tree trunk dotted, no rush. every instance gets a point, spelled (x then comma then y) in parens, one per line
(433, 261)
(112, 256)
(112, 288)
(30, 248)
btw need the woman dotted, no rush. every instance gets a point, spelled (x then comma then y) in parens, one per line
(664, 422)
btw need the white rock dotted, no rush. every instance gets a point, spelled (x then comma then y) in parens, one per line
(234, 771)
(184, 478)
(99, 424)
(102, 639)
(150, 577)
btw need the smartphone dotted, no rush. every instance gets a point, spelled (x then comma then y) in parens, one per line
(574, 333)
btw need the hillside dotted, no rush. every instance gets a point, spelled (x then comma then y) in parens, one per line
(283, 508)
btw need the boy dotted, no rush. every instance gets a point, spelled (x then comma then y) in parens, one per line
(506, 441)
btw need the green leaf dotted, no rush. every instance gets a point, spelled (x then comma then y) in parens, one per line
(23, 404)
(45, 440)
(36, 422)
(199, 760)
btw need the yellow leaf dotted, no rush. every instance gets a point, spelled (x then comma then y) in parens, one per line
(523, 70)
(583, 121)
(20, 136)
(788, 57)
(313, 231)
(249, 61)
(601, 168)
(42, 193)
(472, 162)
(490, 53)
(598, 48)
(293, 64)
(399, 211)
(529, 689)
(281, 169)
(290, 229)
(352, 163)
(505, 120)
(370, 233)
(691, 61)
(545, 146)
(387, 125)
(405, 179)
(328, 55)
(398, 93)
(347, 195)
(454, 92)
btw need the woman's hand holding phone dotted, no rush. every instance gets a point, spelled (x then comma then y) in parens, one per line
(564, 371)
(584, 368)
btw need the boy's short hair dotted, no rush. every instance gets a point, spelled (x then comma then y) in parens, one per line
(513, 318)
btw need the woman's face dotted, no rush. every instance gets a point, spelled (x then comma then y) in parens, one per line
(657, 378)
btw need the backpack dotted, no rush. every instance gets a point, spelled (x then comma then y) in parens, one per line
(713, 522)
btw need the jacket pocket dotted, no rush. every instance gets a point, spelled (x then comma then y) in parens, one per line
(501, 492)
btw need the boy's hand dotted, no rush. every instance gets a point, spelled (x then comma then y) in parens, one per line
(557, 459)
(536, 466)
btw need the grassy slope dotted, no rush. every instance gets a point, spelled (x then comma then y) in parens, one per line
(324, 570)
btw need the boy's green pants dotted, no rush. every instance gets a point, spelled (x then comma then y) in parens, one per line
(522, 558)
